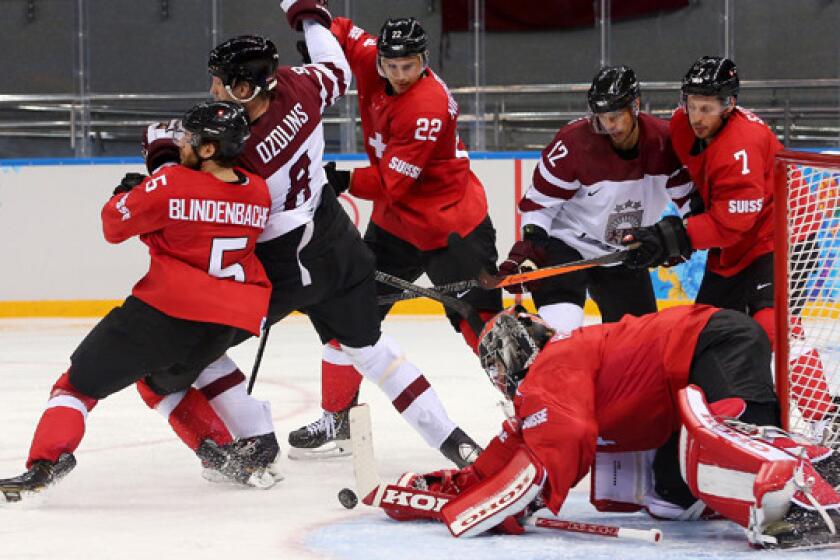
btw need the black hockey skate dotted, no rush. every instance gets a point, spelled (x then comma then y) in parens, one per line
(804, 528)
(39, 476)
(247, 461)
(460, 448)
(325, 438)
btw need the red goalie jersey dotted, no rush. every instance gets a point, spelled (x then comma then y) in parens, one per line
(201, 233)
(586, 391)
(419, 178)
(734, 176)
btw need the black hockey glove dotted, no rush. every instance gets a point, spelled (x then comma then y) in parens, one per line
(338, 180)
(664, 241)
(129, 181)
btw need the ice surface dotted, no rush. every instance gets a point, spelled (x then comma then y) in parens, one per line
(137, 493)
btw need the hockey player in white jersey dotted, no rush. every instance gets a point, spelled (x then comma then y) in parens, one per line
(312, 253)
(597, 178)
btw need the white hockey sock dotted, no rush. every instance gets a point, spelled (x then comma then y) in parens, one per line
(563, 317)
(409, 391)
(224, 386)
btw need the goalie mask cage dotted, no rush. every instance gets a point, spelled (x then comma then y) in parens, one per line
(807, 293)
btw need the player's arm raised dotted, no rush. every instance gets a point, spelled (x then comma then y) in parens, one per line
(359, 46)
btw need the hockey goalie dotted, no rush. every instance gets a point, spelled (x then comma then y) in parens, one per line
(630, 402)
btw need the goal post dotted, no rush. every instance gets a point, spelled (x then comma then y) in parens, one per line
(807, 292)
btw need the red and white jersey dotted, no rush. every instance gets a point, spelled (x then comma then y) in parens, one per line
(734, 176)
(419, 179)
(286, 146)
(612, 387)
(201, 233)
(585, 194)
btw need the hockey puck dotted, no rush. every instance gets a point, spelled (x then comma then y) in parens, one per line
(348, 498)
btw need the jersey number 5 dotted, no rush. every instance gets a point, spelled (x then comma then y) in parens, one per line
(742, 155)
(222, 245)
(427, 129)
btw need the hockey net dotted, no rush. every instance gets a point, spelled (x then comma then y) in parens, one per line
(807, 284)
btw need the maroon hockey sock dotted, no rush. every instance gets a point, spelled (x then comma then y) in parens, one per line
(466, 331)
(192, 419)
(62, 425)
(339, 380)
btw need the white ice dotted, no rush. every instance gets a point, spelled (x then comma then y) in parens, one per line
(137, 492)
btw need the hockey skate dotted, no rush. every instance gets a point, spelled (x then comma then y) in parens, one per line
(460, 448)
(39, 476)
(248, 461)
(325, 438)
(803, 528)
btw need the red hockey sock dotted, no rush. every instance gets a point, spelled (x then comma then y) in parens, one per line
(192, 419)
(469, 336)
(339, 379)
(766, 318)
(62, 425)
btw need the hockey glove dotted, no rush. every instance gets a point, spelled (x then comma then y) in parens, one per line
(528, 254)
(160, 144)
(664, 241)
(129, 181)
(338, 180)
(299, 10)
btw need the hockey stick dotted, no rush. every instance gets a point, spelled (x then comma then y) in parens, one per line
(462, 308)
(490, 281)
(258, 357)
(653, 536)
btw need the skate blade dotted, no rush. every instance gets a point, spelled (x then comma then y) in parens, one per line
(262, 479)
(331, 450)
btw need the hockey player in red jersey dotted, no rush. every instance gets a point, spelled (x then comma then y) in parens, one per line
(623, 388)
(422, 189)
(729, 153)
(204, 287)
(598, 178)
(312, 253)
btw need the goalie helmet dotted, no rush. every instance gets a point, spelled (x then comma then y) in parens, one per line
(223, 122)
(711, 76)
(509, 344)
(613, 88)
(248, 58)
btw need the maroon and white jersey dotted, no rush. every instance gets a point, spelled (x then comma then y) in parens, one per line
(585, 194)
(286, 146)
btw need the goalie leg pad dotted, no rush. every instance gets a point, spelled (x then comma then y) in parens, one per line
(745, 479)
(403, 501)
(490, 502)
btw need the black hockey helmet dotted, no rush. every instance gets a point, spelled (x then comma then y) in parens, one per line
(509, 344)
(712, 76)
(247, 58)
(402, 37)
(223, 122)
(613, 88)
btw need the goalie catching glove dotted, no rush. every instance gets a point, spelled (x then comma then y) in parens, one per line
(299, 10)
(665, 242)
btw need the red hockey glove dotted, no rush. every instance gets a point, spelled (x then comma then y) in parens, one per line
(160, 144)
(129, 181)
(528, 254)
(299, 10)
(661, 242)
